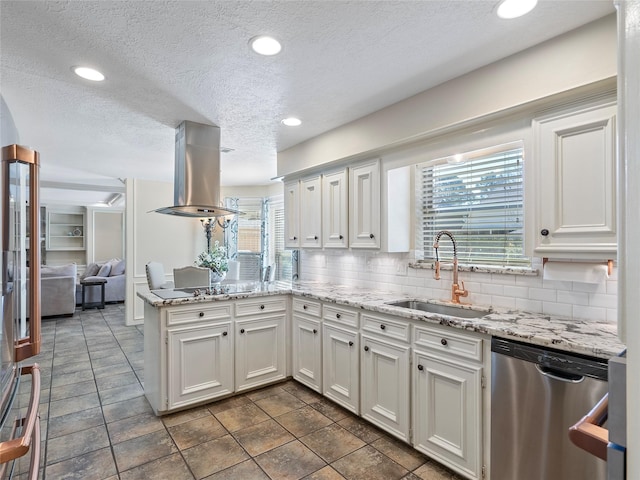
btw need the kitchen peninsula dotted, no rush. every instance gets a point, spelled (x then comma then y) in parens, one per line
(350, 345)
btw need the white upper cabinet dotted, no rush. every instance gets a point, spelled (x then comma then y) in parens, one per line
(292, 214)
(575, 176)
(335, 210)
(364, 205)
(311, 212)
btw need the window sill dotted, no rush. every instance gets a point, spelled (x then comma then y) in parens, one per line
(430, 265)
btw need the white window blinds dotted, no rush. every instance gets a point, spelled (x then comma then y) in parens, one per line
(480, 201)
(282, 256)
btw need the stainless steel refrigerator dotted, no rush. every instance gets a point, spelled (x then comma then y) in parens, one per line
(20, 309)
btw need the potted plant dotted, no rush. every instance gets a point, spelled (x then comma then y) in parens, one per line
(216, 261)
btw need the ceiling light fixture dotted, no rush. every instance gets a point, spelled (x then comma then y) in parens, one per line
(292, 122)
(515, 8)
(88, 73)
(265, 45)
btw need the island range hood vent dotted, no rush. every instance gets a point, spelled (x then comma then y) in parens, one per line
(196, 190)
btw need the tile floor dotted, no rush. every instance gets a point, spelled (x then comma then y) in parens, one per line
(96, 423)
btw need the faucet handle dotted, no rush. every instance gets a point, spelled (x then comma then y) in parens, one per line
(463, 293)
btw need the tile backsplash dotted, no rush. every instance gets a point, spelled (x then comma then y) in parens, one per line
(391, 272)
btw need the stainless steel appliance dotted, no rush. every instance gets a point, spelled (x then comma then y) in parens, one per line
(20, 309)
(536, 395)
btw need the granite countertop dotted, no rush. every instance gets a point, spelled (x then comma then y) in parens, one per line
(580, 336)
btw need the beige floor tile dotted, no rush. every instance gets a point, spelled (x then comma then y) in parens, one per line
(96, 465)
(433, 471)
(74, 422)
(247, 470)
(132, 427)
(172, 467)
(241, 417)
(264, 392)
(368, 463)
(140, 450)
(228, 403)
(301, 392)
(303, 421)
(213, 456)
(361, 429)
(279, 404)
(330, 409)
(399, 452)
(184, 416)
(77, 443)
(291, 461)
(262, 437)
(126, 409)
(196, 431)
(332, 442)
(326, 473)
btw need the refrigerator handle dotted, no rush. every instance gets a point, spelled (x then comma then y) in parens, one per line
(588, 433)
(17, 447)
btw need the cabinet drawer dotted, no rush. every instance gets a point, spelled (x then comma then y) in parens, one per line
(309, 307)
(340, 315)
(190, 314)
(450, 342)
(395, 329)
(261, 305)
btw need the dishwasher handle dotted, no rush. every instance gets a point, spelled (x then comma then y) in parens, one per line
(559, 375)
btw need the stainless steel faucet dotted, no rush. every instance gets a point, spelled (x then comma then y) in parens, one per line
(457, 290)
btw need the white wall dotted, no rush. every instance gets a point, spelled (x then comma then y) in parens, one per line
(172, 241)
(105, 234)
(578, 58)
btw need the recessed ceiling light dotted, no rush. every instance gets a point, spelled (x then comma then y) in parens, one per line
(292, 122)
(515, 8)
(88, 73)
(265, 45)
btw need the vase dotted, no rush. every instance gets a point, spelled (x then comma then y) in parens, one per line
(215, 276)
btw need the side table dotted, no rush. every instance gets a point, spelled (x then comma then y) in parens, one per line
(94, 282)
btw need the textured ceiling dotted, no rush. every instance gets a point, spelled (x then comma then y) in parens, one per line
(168, 61)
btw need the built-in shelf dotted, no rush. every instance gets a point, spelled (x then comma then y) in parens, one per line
(66, 233)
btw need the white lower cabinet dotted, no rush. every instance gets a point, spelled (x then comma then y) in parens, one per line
(385, 385)
(447, 402)
(260, 351)
(341, 366)
(307, 351)
(201, 363)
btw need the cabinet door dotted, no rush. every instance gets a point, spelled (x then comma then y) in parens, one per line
(335, 210)
(575, 183)
(260, 351)
(311, 212)
(340, 366)
(307, 353)
(364, 205)
(292, 214)
(385, 385)
(447, 412)
(200, 363)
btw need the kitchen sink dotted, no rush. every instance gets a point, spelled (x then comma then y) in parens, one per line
(440, 309)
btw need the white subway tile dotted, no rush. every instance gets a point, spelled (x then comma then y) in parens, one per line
(542, 294)
(575, 298)
(528, 281)
(612, 315)
(503, 302)
(589, 313)
(533, 306)
(503, 279)
(601, 300)
(612, 287)
(479, 299)
(590, 287)
(561, 309)
(492, 289)
(517, 292)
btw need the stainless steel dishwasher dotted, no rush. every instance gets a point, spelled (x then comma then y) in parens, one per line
(536, 395)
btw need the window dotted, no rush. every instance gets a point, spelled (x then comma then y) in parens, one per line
(480, 200)
(281, 257)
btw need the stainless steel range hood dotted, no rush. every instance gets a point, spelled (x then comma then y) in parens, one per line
(196, 191)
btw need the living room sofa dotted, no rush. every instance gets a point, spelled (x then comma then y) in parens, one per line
(114, 290)
(58, 290)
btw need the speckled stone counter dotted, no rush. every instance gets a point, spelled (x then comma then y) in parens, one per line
(580, 336)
